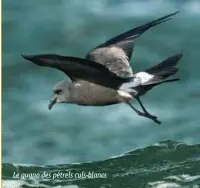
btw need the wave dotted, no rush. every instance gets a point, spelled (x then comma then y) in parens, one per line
(167, 164)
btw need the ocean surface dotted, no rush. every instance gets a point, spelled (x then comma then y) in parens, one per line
(99, 147)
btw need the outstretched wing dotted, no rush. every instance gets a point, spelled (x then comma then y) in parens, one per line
(77, 68)
(116, 53)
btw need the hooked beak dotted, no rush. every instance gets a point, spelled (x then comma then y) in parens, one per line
(52, 102)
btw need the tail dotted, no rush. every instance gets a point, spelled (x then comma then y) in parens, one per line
(156, 75)
(166, 68)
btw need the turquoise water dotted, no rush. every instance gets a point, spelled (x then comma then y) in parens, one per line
(167, 164)
(74, 134)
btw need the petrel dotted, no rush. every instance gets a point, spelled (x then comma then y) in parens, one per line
(105, 77)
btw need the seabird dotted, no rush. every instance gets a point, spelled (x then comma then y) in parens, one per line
(105, 77)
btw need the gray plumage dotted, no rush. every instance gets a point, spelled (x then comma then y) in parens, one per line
(105, 76)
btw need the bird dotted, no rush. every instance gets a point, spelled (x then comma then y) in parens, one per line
(104, 76)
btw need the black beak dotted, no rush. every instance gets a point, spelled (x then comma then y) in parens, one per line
(52, 102)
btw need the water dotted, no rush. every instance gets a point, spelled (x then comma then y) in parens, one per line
(73, 134)
(166, 164)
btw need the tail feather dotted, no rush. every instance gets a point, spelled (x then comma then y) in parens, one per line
(167, 72)
(165, 67)
(166, 81)
(163, 70)
(161, 75)
(156, 75)
(141, 90)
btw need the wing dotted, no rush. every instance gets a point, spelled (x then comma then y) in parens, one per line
(114, 58)
(77, 68)
(116, 52)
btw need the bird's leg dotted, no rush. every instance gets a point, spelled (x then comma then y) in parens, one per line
(144, 114)
(137, 111)
(147, 114)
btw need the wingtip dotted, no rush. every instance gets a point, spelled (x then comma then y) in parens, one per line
(28, 57)
(177, 12)
(173, 14)
(167, 17)
(24, 56)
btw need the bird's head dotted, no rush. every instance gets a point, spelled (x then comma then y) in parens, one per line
(61, 93)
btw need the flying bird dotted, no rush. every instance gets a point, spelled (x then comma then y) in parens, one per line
(105, 77)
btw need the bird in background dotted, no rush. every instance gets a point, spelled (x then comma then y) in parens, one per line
(105, 77)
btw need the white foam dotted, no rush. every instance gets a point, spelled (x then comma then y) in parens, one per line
(163, 184)
(21, 183)
(13, 183)
(182, 178)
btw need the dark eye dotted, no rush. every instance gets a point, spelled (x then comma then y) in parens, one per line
(57, 91)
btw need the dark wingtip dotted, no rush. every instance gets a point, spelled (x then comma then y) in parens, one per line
(28, 57)
(164, 18)
(34, 59)
(24, 56)
(41, 59)
(172, 14)
(177, 12)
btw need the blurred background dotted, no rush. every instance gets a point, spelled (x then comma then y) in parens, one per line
(70, 133)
